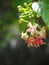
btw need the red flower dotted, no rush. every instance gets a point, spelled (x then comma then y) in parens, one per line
(36, 42)
(28, 41)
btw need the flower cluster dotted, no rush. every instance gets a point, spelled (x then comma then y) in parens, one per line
(34, 36)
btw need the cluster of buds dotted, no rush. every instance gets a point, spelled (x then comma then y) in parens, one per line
(27, 12)
(34, 36)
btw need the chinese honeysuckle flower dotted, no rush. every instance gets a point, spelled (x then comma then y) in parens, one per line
(36, 25)
(30, 24)
(29, 42)
(24, 35)
(32, 29)
(37, 42)
(35, 6)
(35, 38)
(43, 33)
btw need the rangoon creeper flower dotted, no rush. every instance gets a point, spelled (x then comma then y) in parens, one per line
(35, 42)
(35, 38)
(35, 6)
(30, 24)
(31, 29)
(29, 42)
(43, 33)
(24, 35)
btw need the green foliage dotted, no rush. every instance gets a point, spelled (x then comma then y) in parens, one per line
(45, 1)
(44, 11)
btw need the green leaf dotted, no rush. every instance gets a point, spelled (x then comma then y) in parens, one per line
(45, 1)
(44, 11)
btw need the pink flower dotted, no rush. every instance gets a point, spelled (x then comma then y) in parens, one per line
(31, 29)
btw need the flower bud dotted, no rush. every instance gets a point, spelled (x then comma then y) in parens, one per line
(21, 20)
(25, 4)
(32, 16)
(37, 15)
(21, 9)
(19, 6)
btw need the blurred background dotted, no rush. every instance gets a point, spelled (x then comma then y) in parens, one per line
(13, 50)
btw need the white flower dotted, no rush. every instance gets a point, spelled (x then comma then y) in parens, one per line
(35, 6)
(30, 24)
(36, 25)
(24, 35)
